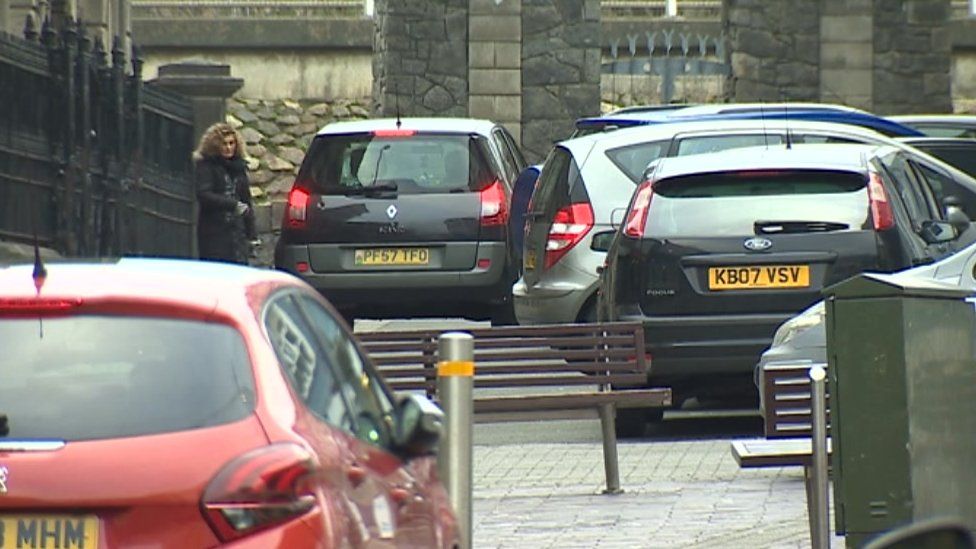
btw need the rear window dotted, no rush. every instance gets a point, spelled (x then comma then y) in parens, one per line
(732, 203)
(99, 377)
(410, 164)
(633, 159)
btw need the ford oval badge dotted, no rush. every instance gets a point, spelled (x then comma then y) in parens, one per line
(757, 244)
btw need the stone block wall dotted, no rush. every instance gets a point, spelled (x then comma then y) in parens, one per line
(560, 70)
(912, 56)
(420, 58)
(886, 56)
(774, 49)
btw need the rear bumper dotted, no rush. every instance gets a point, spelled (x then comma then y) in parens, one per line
(392, 286)
(549, 304)
(688, 347)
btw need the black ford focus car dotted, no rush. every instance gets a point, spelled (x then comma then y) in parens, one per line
(405, 218)
(715, 251)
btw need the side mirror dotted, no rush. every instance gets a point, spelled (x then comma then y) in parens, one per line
(933, 533)
(934, 232)
(601, 241)
(617, 217)
(957, 218)
(417, 426)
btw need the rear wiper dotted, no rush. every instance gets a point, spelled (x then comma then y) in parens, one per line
(784, 227)
(385, 187)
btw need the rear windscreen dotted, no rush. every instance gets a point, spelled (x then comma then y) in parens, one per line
(732, 203)
(98, 377)
(408, 164)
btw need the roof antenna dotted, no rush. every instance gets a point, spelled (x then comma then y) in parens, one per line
(786, 121)
(40, 272)
(396, 103)
(39, 275)
(762, 115)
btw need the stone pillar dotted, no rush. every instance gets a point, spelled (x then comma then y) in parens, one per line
(912, 57)
(560, 70)
(495, 62)
(847, 52)
(208, 86)
(420, 58)
(5, 25)
(774, 49)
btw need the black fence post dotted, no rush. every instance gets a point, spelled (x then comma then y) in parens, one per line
(87, 242)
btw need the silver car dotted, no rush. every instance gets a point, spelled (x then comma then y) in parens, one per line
(587, 182)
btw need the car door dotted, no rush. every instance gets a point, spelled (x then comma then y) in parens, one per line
(917, 205)
(406, 505)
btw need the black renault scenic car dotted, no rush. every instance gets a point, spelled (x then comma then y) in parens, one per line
(715, 251)
(405, 218)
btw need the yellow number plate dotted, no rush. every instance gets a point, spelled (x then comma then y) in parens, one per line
(393, 256)
(758, 277)
(48, 532)
(529, 262)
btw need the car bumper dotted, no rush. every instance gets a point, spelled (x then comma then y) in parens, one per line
(405, 285)
(690, 346)
(549, 304)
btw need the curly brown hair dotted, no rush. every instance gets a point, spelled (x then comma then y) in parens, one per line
(213, 137)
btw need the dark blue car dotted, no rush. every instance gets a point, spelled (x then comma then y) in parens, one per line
(745, 111)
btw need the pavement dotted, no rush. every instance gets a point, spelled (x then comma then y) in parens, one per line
(538, 484)
(530, 490)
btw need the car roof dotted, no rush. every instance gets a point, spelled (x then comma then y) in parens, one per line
(640, 134)
(458, 125)
(962, 119)
(850, 157)
(763, 111)
(181, 282)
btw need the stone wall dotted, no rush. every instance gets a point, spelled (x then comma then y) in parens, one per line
(420, 58)
(277, 134)
(774, 49)
(886, 56)
(560, 69)
(912, 56)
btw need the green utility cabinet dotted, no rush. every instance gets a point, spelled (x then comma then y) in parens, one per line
(902, 367)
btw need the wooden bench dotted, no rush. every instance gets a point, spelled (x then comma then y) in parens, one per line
(525, 371)
(787, 425)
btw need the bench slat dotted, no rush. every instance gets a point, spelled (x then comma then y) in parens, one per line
(573, 401)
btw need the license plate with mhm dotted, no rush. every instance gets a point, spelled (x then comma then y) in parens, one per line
(758, 277)
(48, 531)
(392, 256)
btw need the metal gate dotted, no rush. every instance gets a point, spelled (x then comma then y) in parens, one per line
(93, 163)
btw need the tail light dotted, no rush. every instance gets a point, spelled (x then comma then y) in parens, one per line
(637, 216)
(297, 210)
(881, 212)
(37, 305)
(260, 489)
(569, 226)
(494, 205)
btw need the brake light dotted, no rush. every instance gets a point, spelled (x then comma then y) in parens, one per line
(259, 489)
(494, 205)
(393, 133)
(297, 210)
(569, 226)
(881, 212)
(637, 216)
(37, 305)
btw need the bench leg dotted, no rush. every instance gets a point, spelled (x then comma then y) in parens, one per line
(610, 449)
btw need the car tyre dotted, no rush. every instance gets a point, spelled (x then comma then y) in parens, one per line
(503, 314)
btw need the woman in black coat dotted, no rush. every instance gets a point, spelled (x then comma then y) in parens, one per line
(226, 223)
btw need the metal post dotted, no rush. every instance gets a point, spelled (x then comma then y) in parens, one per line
(455, 380)
(819, 508)
(610, 462)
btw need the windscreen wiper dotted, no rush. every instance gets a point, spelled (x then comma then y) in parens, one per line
(372, 189)
(786, 227)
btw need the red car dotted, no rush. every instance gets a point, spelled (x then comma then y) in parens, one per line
(171, 403)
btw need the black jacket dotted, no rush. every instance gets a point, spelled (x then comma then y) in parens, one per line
(222, 233)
